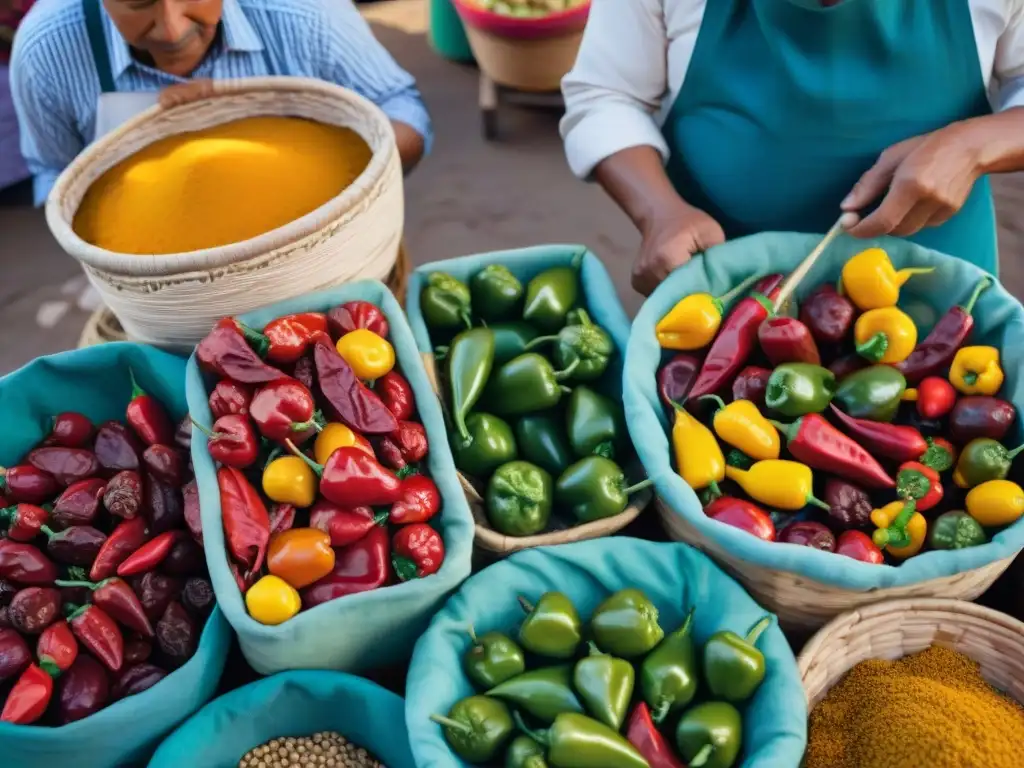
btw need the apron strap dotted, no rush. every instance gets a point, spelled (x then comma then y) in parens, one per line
(98, 44)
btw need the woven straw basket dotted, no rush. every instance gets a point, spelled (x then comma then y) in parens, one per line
(173, 300)
(899, 628)
(805, 604)
(488, 539)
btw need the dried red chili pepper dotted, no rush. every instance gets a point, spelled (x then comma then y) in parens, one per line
(226, 352)
(33, 609)
(354, 479)
(935, 397)
(114, 596)
(232, 441)
(192, 510)
(411, 439)
(919, 482)
(282, 518)
(177, 634)
(84, 690)
(305, 372)
(127, 537)
(229, 397)
(643, 734)
(123, 494)
(65, 465)
(15, 655)
(149, 556)
(787, 340)
(165, 464)
(29, 697)
(819, 445)
(344, 526)
(396, 394)
(57, 648)
(71, 430)
(732, 346)
(23, 521)
(186, 558)
(419, 500)
(417, 552)
(361, 566)
(117, 448)
(284, 410)
(147, 416)
(155, 592)
(78, 545)
(198, 597)
(98, 633)
(357, 314)
(349, 399)
(25, 483)
(289, 336)
(676, 377)
(828, 314)
(164, 507)
(25, 564)
(246, 523)
(890, 441)
(79, 503)
(137, 679)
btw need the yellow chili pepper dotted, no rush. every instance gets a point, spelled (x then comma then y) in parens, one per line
(976, 371)
(901, 529)
(699, 457)
(693, 322)
(871, 282)
(272, 600)
(886, 335)
(778, 483)
(289, 480)
(742, 426)
(996, 503)
(370, 355)
(334, 436)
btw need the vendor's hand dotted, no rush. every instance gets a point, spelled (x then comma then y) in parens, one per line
(928, 179)
(185, 93)
(670, 239)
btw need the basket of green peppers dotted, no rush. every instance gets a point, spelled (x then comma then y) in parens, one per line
(526, 352)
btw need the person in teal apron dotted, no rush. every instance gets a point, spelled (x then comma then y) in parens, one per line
(713, 119)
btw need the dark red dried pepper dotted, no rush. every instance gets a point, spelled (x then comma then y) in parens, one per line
(676, 377)
(787, 340)
(192, 510)
(125, 539)
(25, 483)
(25, 564)
(117, 448)
(357, 314)
(406, 445)
(97, 632)
(827, 314)
(350, 401)
(123, 494)
(65, 465)
(290, 336)
(165, 463)
(246, 522)
(890, 441)
(147, 416)
(79, 503)
(229, 397)
(226, 352)
(819, 445)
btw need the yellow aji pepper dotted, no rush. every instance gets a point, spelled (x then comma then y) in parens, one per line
(887, 335)
(901, 529)
(699, 457)
(693, 322)
(289, 480)
(272, 600)
(871, 282)
(976, 371)
(370, 355)
(742, 426)
(996, 503)
(777, 483)
(334, 436)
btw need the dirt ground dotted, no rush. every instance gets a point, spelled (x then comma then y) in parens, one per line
(469, 196)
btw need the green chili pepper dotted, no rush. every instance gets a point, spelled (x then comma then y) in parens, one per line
(796, 389)
(577, 741)
(541, 440)
(626, 624)
(669, 673)
(605, 684)
(545, 693)
(518, 499)
(583, 341)
(524, 752)
(445, 303)
(525, 384)
(984, 459)
(595, 488)
(497, 293)
(872, 393)
(956, 530)
(595, 424)
(490, 445)
(550, 296)
(510, 340)
(469, 359)
(710, 735)
(552, 627)
(492, 659)
(477, 728)
(733, 666)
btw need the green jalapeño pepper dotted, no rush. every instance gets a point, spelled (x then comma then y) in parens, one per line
(445, 303)
(541, 440)
(545, 693)
(492, 659)
(872, 393)
(583, 341)
(550, 296)
(956, 530)
(491, 444)
(733, 666)
(595, 424)
(477, 728)
(518, 499)
(552, 627)
(669, 673)
(470, 358)
(983, 459)
(497, 293)
(626, 624)
(510, 340)
(606, 686)
(595, 488)
(526, 384)
(710, 735)
(577, 741)
(524, 752)
(796, 389)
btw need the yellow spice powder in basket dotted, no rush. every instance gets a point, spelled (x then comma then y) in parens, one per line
(929, 710)
(220, 185)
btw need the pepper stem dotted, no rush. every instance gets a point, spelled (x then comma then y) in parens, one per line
(565, 390)
(440, 353)
(567, 372)
(208, 432)
(816, 502)
(455, 725)
(715, 399)
(540, 738)
(593, 650)
(526, 604)
(318, 469)
(1011, 455)
(85, 584)
(585, 320)
(472, 634)
(874, 349)
(970, 378)
(637, 487)
(755, 632)
(905, 274)
(258, 341)
(47, 531)
(464, 316)
(715, 490)
(538, 341)
(728, 297)
(786, 429)
(982, 286)
(702, 757)
(137, 391)
(577, 259)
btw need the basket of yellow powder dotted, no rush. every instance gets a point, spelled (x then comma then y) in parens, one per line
(907, 683)
(262, 189)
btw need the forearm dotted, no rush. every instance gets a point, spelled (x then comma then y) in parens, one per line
(635, 179)
(411, 145)
(997, 140)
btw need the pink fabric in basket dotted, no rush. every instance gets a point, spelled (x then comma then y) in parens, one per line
(555, 25)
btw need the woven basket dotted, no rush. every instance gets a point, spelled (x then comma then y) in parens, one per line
(803, 603)
(172, 300)
(899, 628)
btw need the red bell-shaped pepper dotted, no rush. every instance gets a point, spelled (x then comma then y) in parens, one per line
(417, 551)
(357, 314)
(920, 483)
(362, 566)
(418, 502)
(284, 410)
(396, 393)
(232, 441)
(935, 397)
(57, 648)
(230, 397)
(742, 514)
(97, 632)
(289, 337)
(23, 521)
(344, 526)
(352, 478)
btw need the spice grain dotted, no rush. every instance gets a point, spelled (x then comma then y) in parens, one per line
(326, 748)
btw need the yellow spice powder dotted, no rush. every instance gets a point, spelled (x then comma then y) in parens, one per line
(220, 185)
(929, 710)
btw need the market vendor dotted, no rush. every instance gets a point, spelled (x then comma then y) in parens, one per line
(712, 120)
(79, 66)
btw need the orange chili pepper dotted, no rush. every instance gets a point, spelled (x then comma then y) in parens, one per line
(300, 556)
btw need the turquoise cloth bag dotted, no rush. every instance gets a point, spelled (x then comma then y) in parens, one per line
(95, 382)
(999, 321)
(298, 703)
(361, 631)
(675, 576)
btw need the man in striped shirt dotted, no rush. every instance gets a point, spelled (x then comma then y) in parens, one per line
(70, 53)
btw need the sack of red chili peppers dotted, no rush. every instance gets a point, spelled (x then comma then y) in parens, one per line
(896, 455)
(333, 521)
(109, 636)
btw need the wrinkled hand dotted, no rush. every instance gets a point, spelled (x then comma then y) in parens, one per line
(185, 93)
(671, 239)
(928, 179)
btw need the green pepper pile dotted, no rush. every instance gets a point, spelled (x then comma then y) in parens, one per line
(590, 678)
(534, 430)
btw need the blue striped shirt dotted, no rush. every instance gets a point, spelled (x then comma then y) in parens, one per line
(55, 84)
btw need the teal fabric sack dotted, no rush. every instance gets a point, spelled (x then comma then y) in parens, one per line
(95, 382)
(675, 576)
(298, 703)
(361, 631)
(999, 321)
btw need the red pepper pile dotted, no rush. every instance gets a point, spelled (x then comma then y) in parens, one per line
(103, 591)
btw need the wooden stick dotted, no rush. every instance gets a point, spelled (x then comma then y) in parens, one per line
(846, 221)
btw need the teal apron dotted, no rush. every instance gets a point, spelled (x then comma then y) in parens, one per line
(786, 103)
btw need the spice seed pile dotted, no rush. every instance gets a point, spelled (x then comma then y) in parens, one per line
(327, 748)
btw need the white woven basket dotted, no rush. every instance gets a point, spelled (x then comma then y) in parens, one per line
(172, 300)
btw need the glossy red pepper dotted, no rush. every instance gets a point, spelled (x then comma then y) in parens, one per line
(282, 518)
(354, 479)
(79, 502)
(935, 397)
(15, 655)
(643, 734)
(78, 545)
(819, 445)
(417, 552)
(406, 445)
(98, 633)
(119, 601)
(23, 521)
(123, 495)
(65, 465)
(29, 697)
(787, 340)
(396, 394)
(246, 522)
(751, 383)
(361, 566)
(84, 690)
(742, 514)
(127, 537)
(419, 500)
(229, 397)
(165, 463)
(147, 416)
(808, 533)
(676, 377)
(71, 430)
(149, 556)
(57, 648)
(828, 314)
(769, 285)
(921, 483)
(117, 448)
(25, 564)
(859, 546)
(232, 441)
(344, 526)
(357, 314)
(350, 401)
(283, 410)
(25, 483)
(289, 336)
(890, 441)
(225, 351)
(940, 456)
(732, 346)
